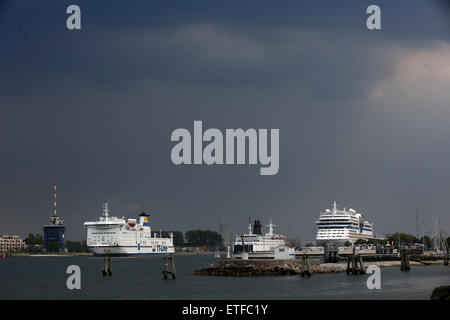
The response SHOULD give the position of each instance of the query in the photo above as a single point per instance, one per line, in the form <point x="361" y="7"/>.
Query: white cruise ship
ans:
<point x="257" y="244"/>
<point x="112" y="236"/>
<point x="341" y="225"/>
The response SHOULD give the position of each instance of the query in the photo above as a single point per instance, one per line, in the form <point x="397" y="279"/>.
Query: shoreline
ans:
<point x="70" y="254"/>
<point x="90" y="254"/>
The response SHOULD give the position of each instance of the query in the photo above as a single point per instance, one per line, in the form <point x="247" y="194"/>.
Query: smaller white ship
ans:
<point x="257" y="245"/>
<point x="112" y="236"/>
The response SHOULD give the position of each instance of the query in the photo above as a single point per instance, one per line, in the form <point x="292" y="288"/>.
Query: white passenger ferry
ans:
<point x="112" y="236"/>
<point x="257" y="244"/>
<point x="341" y="225"/>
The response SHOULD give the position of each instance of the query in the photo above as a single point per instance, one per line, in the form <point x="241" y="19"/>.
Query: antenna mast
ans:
<point x="270" y="225"/>
<point x="54" y="199"/>
<point x="105" y="209"/>
<point x="417" y="224"/>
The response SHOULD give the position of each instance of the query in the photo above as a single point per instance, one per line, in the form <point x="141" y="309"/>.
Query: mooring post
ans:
<point x="355" y="264"/>
<point x="104" y="271"/>
<point x="361" y="270"/>
<point x="404" y="264"/>
<point x="172" y="258"/>
<point x="166" y="267"/>
<point x="348" y="264"/>
<point x="306" y="266"/>
<point x="107" y="266"/>
<point x="166" y="270"/>
<point x="330" y="253"/>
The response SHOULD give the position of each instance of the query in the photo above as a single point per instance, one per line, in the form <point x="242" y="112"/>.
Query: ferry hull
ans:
<point x="102" y="251"/>
<point x="257" y="255"/>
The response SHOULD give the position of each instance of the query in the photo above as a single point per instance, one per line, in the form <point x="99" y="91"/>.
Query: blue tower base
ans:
<point x="54" y="238"/>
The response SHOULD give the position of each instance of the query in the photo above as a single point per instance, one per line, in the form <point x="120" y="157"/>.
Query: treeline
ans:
<point x="178" y="238"/>
<point x="402" y="239"/>
<point x="205" y="238"/>
<point x="35" y="244"/>
<point x="405" y="238"/>
<point x="77" y="246"/>
<point x="371" y="241"/>
<point x="194" y="238"/>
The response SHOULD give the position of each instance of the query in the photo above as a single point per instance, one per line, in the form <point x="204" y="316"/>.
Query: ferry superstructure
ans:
<point x="257" y="244"/>
<point x="112" y="236"/>
<point x="341" y="225"/>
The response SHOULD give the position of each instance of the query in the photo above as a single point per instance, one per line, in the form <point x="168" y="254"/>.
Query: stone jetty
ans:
<point x="252" y="268"/>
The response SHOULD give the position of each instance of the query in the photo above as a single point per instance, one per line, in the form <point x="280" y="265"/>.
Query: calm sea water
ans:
<point x="141" y="278"/>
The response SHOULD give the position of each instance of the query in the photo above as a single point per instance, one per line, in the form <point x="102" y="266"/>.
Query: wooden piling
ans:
<point x="107" y="266"/>
<point x="404" y="257"/>
<point x="330" y="253"/>
<point x="306" y="266"/>
<point x="355" y="264"/>
<point x="166" y="271"/>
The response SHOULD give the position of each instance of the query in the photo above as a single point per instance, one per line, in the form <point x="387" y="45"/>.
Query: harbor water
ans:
<point x="141" y="278"/>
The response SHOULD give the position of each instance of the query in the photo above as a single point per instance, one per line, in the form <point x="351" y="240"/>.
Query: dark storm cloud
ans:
<point x="204" y="55"/>
<point x="93" y="110"/>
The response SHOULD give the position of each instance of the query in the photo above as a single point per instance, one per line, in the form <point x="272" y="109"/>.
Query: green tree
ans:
<point x="178" y="239"/>
<point x="204" y="238"/>
<point x="404" y="238"/>
<point x="360" y="241"/>
<point x="77" y="246"/>
<point x="34" y="242"/>
<point x="377" y="241"/>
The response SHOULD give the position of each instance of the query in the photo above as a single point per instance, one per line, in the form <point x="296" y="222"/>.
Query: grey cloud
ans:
<point x="363" y="117"/>
<point x="312" y="62"/>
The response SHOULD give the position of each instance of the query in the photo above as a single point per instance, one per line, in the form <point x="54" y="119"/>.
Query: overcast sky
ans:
<point x="364" y="116"/>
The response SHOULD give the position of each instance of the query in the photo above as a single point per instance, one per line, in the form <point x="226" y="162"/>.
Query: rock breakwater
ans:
<point x="253" y="268"/>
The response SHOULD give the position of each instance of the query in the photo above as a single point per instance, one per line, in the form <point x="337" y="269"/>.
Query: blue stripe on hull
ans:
<point x="134" y="254"/>
<point x="124" y="246"/>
